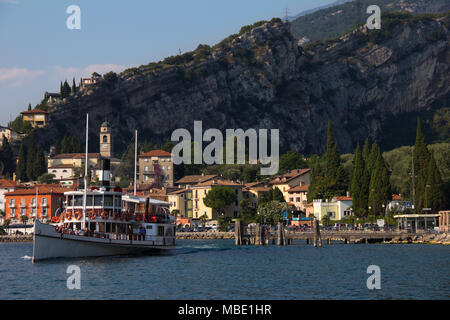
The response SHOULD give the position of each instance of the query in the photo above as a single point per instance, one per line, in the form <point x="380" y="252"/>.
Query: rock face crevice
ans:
<point x="264" y="79"/>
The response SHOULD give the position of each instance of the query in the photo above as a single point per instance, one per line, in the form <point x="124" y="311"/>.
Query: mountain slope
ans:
<point x="261" y="78"/>
<point x="331" y="22"/>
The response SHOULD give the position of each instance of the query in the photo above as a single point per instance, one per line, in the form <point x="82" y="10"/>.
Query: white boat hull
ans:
<point x="48" y="244"/>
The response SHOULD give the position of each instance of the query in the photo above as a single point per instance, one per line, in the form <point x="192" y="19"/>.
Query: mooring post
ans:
<point x="279" y="234"/>
<point x="258" y="234"/>
<point x="237" y="233"/>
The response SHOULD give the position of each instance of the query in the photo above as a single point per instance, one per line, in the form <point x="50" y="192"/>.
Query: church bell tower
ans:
<point x="106" y="143"/>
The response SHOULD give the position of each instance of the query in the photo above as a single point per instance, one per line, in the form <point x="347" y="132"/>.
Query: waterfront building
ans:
<point x="417" y="222"/>
<point x="290" y="180"/>
<point x="181" y="200"/>
<point x="156" y="168"/>
<point x="5" y="187"/>
<point x="297" y="196"/>
<point x="37" y="118"/>
<point x="39" y="202"/>
<point x="188" y="181"/>
<point x="444" y="219"/>
<point x="336" y="209"/>
<point x="67" y="167"/>
<point x="253" y="191"/>
<point x="200" y="190"/>
<point x="396" y="204"/>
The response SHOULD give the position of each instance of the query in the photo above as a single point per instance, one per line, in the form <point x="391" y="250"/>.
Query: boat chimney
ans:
<point x="104" y="173"/>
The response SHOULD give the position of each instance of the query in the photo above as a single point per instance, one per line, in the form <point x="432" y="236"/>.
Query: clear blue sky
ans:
<point x="37" y="50"/>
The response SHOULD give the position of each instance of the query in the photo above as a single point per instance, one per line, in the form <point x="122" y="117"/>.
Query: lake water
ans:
<point x="216" y="269"/>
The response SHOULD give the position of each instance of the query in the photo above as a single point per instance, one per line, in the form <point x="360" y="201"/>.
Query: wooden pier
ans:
<point x="263" y="235"/>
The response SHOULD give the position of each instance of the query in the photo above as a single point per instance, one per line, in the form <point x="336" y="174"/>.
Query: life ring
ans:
<point x="68" y="215"/>
<point x="104" y="215"/>
<point x="92" y="215"/>
<point x="55" y="219"/>
<point x="78" y="215"/>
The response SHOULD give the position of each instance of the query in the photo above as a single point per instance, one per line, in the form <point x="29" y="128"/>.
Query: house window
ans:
<point x="105" y="138"/>
<point x="44" y="212"/>
<point x="33" y="212"/>
<point x="12" y="202"/>
<point x="33" y="201"/>
<point x="44" y="201"/>
<point x="291" y="199"/>
<point x="22" y="202"/>
<point x="23" y="211"/>
<point x="235" y="214"/>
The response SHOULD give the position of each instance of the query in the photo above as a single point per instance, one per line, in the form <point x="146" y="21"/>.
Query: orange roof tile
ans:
<point x="75" y="155"/>
<point x="155" y="153"/>
<point x="397" y="197"/>
<point x="344" y="198"/>
<point x="5" y="183"/>
<point x="195" y="178"/>
<point x="34" y="111"/>
<point x="303" y="188"/>
<point x="41" y="189"/>
<point x="289" y="176"/>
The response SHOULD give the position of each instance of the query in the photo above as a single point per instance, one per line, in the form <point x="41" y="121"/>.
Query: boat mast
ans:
<point x="83" y="223"/>
<point x="135" y="161"/>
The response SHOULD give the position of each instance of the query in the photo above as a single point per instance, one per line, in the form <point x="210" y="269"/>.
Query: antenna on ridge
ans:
<point x="286" y="17"/>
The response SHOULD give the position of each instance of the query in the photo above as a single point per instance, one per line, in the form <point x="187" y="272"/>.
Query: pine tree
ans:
<point x="359" y="184"/>
<point x="21" y="173"/>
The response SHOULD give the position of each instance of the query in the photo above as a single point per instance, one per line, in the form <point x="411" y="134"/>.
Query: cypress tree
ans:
<point x="333" y="159"/>
<point x="31" y="154"/>
<point x="29" y="106"/>
<point x="433" y="197"/>
<point x="21" y="173"/>
<point x="421" y="158"/>
<point x="373" y="157"/>
<point x="74" y="86"/>
<point x="359" y="184"/>
<point x="366" y="151"/>
<point x="379" y="188"/>
<point x="7" y="157"/>
<point x="61" y="90"/>
<point x="39" y="163"/>
<point x="277" y="195"/>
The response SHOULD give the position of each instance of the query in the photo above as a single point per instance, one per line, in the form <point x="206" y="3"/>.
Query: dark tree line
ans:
<point x="31" y="162"/>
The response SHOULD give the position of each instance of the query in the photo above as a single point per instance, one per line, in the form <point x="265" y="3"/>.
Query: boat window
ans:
<point x="78" y="200"/>
<point x="89" y="201"/>
<point x="98" y="200"/>
<point x="150" y="227"/>
<point x="108" y="201"/>
<point x="160" y="231"/>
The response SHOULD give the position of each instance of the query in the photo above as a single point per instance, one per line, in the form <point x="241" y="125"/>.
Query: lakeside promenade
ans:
<point x="425" y="238"/>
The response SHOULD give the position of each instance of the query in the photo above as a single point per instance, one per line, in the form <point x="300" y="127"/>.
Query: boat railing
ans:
<point x="157" y="240"/>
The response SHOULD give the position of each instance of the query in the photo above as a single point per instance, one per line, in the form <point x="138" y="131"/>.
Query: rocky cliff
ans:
<point x="261" y="78"/>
